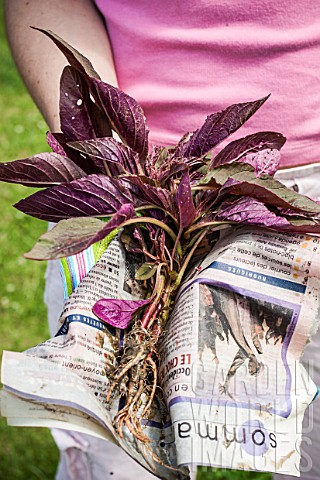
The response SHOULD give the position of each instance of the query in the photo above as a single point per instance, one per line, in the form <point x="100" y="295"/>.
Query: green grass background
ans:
<point x="29" y="453"/>
<point x="25" y="453"/>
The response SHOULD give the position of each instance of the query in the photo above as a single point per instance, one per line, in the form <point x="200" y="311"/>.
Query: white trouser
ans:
<point x="306" y="180"/>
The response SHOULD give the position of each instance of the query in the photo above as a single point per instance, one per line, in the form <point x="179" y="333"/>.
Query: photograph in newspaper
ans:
<point x="238" y="393"/>
<point x="239" y="338"/>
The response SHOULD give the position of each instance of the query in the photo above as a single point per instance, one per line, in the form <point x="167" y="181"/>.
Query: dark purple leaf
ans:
<point x="42" y="170"/>
<point x="75" y="120"/>
<point x="94" y="195"/>
<point x="125" y="115"/>
<point x="184" y="201"/>
<point x="146" y="194"/>
<point x="110" y="150"/>
<point x="301" y="221"/>
<point x="99" y="121"/>
<point x="271" y="192"/>
<point x="217" y="127"/>
<point x="240" y="179"/>
<point x="195" y="177"/>
<point x="194" y="163"/>
<point x="249" y="211"/>
<point x="205" y="200"/>
<point x="75" y="58"/>
<point x="72" y="236"/>
<point x="55" y="142"/>
<point x="80" y="117"/>
<point x="174" y="168"/>
<point x="170" y="170"/>
<point x="80" y="63"/>
<point x="118" y="313"/>
<point x="58" y="143"/>
<point x="288" y="212"/>
<point x="137" y="234"/>
<point x="237" y="149"/>
<point x="177" y="150"/>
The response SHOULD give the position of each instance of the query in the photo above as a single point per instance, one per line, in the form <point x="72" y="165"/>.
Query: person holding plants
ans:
<point x="182" y="61"/>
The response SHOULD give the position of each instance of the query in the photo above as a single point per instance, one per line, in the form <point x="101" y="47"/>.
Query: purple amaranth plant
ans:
<point x="167" y="200"/>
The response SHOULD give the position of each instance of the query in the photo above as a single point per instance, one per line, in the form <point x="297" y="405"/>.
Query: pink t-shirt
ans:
<point x="184" y="59"/>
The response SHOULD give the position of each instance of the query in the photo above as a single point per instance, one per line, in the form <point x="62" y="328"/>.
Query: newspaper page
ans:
<point x="66" y="375"/>
<point x="230" y="371"/>
<point x="233" y="381"/>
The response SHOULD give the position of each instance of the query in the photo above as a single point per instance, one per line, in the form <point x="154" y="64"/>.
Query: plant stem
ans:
<point x="106" y="168"/>
<point x="160" y="224"/>
<point x="159" y="286"/>
<point x="154" y="221"/>
<point x="204" y="187"/>
<point x="198" y="226"/>
<point x="188" y="258"/>
<point x="175" y="247"/>
<point x="193" y="240"/>
<point x="156" y="207"/>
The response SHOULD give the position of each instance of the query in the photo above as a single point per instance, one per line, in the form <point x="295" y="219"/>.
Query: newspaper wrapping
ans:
<point x="234" y="391"/>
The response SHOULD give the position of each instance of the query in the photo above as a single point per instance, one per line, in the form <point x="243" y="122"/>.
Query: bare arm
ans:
<point x="39" y="61"/>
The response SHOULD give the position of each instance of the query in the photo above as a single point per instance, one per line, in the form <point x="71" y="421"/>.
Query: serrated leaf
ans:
<point x="146" y="271"/>
<point x="125" y="115"/>
<point x="237" y="149"/>
<point x="217" y="127"/>
<point x="58" y="143"/>
<point x="42" y="170"/>
<point x="249" y="211"/>
<point x="118" y="313"/>
<point x="94" y="196"/>
<point x="184" y="201"/>
<point x="271" y="192"/>
<point x="72" y="236"/>
<point x="239" y="179"/>
<point x="146" y="194"/>
<point x="75" y="58"/>
<point x="80" y="118"/>
<point x="74" y="115"/>
<point x="110" y="150"/>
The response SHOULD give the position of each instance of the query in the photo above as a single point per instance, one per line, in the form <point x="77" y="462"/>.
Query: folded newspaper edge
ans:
<point x="235" y="390"/>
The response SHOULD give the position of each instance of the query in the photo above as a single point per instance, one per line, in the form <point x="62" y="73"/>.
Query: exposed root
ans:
<point x="135" y="376"/>
<point x="154" y="387"/>
<point x="116" y="378"/>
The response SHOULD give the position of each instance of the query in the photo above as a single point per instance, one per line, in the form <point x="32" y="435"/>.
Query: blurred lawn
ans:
<point x="25" y="453"/>
<point x="28" y="453"/>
